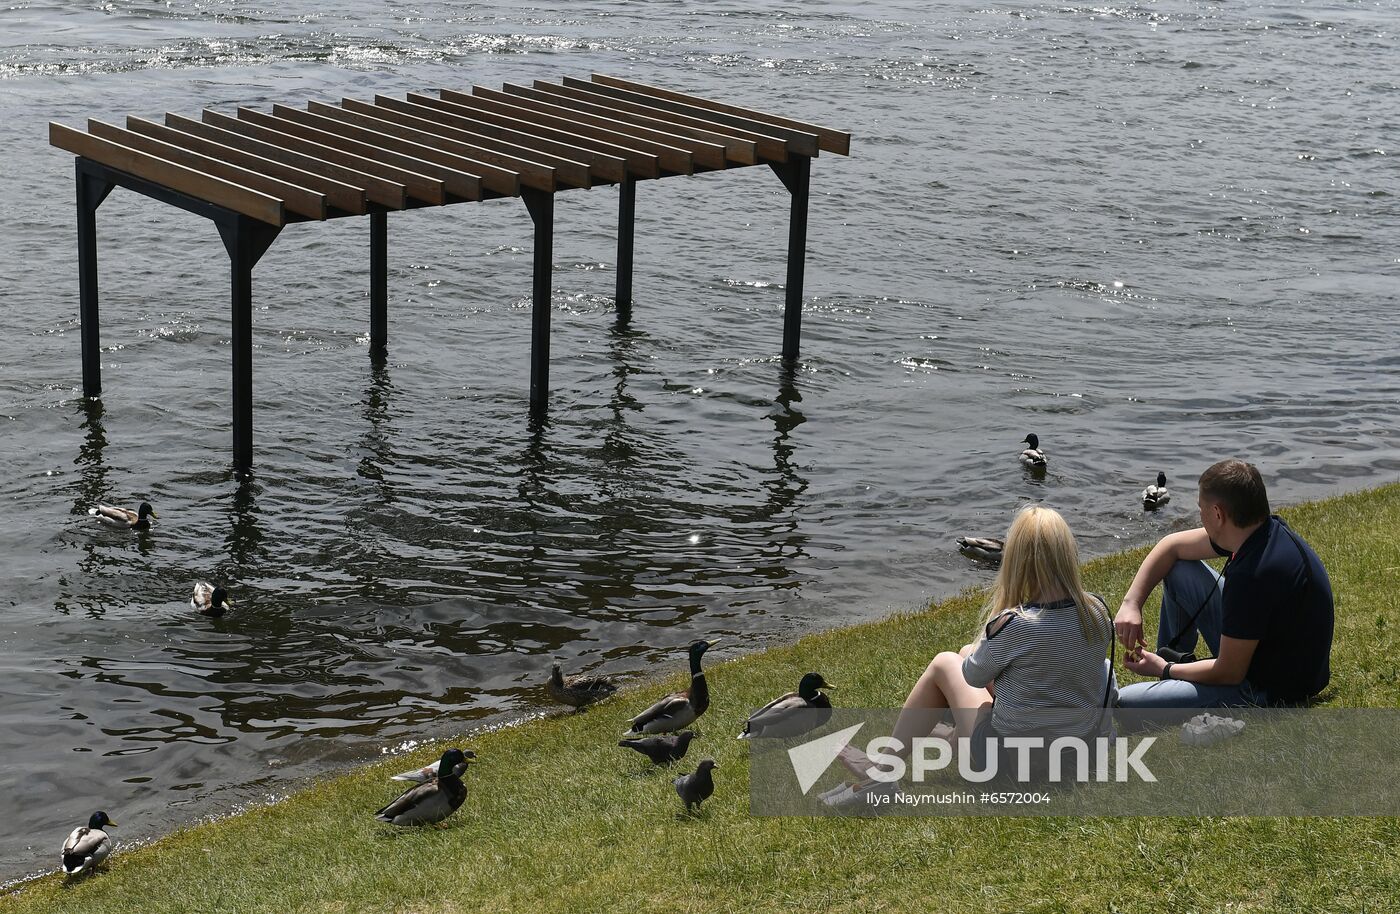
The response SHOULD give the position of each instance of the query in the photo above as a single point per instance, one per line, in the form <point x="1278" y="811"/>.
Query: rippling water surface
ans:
<point x="1154" y="234"/>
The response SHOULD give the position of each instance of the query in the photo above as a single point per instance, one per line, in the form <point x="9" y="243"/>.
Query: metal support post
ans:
<point x="541" y="206"/>
<point x="626" y="222"/>
<point x="378" y="285"/>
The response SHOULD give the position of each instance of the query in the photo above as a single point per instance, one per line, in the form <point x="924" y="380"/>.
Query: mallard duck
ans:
<point x="434" y="800"/>
<point x="982" y="548"/>
<point x="579" y="691"/>
<point x="429" y="772"/>
<point x="793" y="713"/>
<point x="210" y="600"/>
<point x="696" y="788"/>
<point x="1033" y="456"/>
<point x="87" y="845"/>
<point x="679" y="709"/>
<point x="662" y="750"/>
<point x="124" y="518"/>
<point x="1153" y="497"/>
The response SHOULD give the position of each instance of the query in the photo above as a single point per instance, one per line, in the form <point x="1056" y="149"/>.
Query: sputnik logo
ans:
<point x="810" y="760"/>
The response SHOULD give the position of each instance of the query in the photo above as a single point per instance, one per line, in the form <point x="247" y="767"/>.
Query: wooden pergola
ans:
<point x="256" y="172"/>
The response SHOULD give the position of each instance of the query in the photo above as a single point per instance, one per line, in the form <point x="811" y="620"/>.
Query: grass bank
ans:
<point x="559" y="819"/>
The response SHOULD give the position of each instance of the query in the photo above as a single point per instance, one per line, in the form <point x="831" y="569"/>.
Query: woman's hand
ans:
<point x="1145" y="663"/>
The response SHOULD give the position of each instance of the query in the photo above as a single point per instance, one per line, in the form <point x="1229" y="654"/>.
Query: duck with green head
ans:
<point x="679" y="709"/>
<point x="794" y="713"/>
<point x="124" y="518"/>
<point x="87" y="845"/>
<point x="431" y="802"/>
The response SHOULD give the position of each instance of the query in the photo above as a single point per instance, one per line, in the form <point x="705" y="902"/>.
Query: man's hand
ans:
<point x="1145" y="663"/>
<point x="1127" y="625"/>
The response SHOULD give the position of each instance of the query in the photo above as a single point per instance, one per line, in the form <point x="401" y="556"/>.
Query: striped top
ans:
<point x="1047" y="674"/>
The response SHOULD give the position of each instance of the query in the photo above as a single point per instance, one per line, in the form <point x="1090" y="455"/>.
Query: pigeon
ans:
<point x="663" y="750"/>
<point x="694" y="789"/>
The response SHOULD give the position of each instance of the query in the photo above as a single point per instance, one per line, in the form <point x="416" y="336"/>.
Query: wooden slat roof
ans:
<point x="328" y="160"/>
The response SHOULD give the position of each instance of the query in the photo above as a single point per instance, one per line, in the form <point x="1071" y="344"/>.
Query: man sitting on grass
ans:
<point x="1269" y="627"/>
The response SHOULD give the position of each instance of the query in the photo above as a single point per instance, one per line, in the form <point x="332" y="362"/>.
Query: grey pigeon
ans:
<point x="694" y="789"/>
<point x="663" y="750"/>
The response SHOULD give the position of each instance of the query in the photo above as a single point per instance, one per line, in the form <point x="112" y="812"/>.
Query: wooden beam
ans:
<point x="803" y="139"/>
<point x="339" y="195"/>
<point x="770" y="147"/>
<point x="300" y="200"/>
<point x="420" y="186"/>
<point x="255" y="204"/>
<point x="498" y="180"/>
<point x="736" y="150"/>
<point x="417" y="142"/>
<point x="451" y="139"/>
<point x="601" y="165"/>
<point x="639" y="163"/>
<point x="425" y="180"/>
<point x="675" y="158"/>
<point x="377" y="190"/>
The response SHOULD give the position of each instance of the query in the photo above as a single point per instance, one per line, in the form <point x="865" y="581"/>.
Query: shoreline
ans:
<point x="871" y="660"/>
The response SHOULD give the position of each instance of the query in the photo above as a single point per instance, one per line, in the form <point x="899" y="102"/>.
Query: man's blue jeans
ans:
<point x="1187" y="586"/>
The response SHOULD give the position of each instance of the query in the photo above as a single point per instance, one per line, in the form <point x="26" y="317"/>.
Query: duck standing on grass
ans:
<point x="579" y="691"/>
<point x="794" y="713"/>
<point x="435" y="800"/>
<point x="679" y="709"/>
<point x="430" y="772"/>
<point x="982" y="548"/>
<point x="662" y="750"/>
<point x="694" y="789"/>
<point x="124" y="518"/>
<point x="210" y="600"/>
<point x="1154" y="496"/>
<point x="87" y="845"/>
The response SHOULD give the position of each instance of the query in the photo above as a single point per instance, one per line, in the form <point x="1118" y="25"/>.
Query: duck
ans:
<point x="679" y="709"/>
<point x="1154" y="496"/>
<point x="793" y="713"/>
<point x="697" y="787"/>
<point x="1033" y="456"/>
<point x="87" y="845"/>
<point x="124" y="518"/>
<point x="579" y="691"/>
<point x="429" y="772"/>
<point x="436" y="799"/>
<point x="982" y="548"/>
<point x="210" y="599"/>
<point x="662" y="750"/>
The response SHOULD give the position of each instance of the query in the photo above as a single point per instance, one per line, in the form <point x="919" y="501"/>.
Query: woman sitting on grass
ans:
<point x="1042" y="651"/>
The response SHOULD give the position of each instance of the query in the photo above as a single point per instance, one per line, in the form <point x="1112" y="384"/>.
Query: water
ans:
<point x="1155" y="234"/>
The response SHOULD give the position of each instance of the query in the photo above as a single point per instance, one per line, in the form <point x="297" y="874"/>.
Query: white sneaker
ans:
<point x="846" y="794"/>
<point x="1209" y="729"/>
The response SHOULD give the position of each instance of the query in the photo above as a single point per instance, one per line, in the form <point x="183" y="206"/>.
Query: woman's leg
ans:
<point x="940" y="687"/>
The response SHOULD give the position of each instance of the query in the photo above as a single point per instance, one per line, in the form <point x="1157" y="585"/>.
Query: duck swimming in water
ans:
<point x="210" y="600"/>
<point x="1154" y="496"/>
<point x="982" y="548"/>
<point x="1033" y="456"/>
<point x="124" y="518"/>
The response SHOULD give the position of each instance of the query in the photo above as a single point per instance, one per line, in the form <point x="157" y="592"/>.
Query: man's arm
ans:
<point x="1187" y="545"/>
<point x="1227" y="669"/>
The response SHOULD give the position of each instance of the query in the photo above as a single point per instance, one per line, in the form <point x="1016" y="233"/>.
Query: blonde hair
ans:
<point x="1041" y="556"/>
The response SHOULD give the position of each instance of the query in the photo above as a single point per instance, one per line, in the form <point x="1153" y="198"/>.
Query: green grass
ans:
<point x="560" y="819"/>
